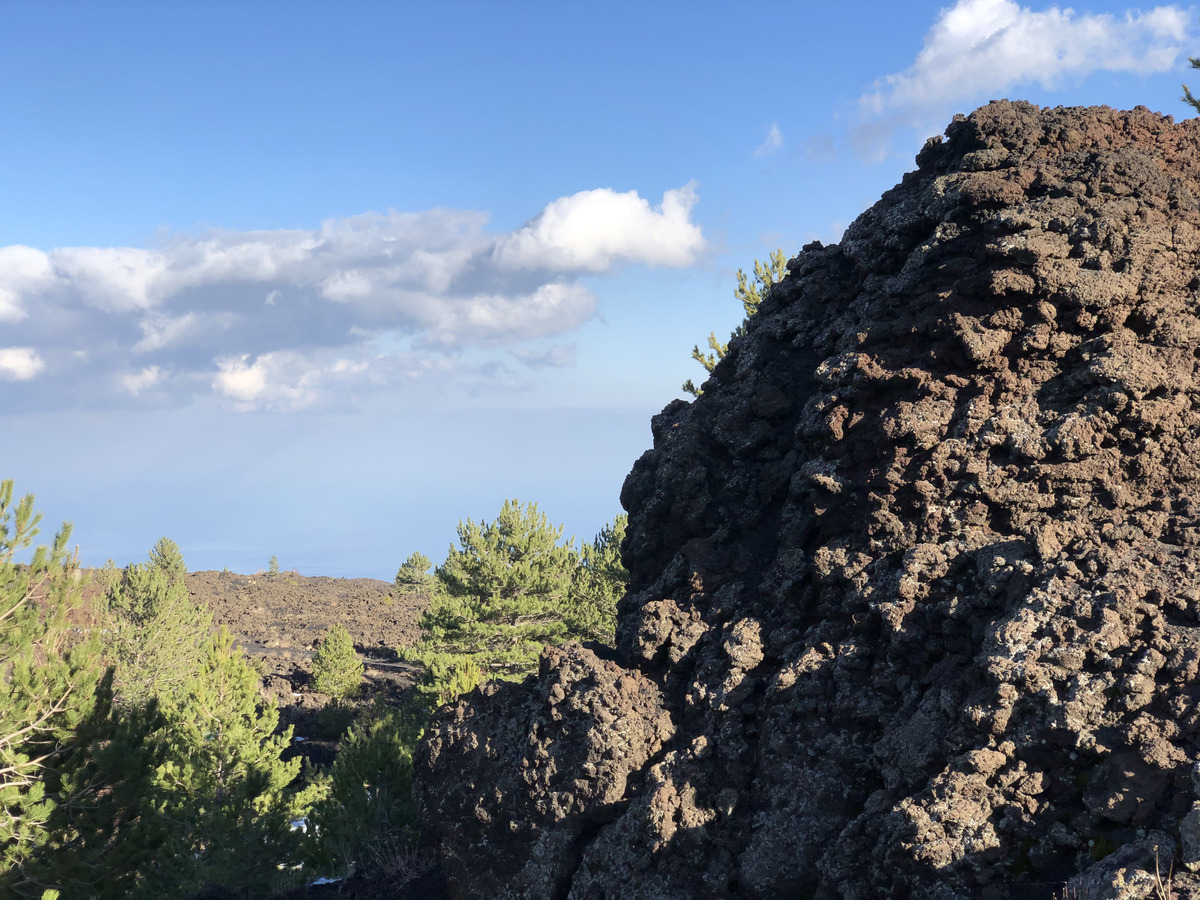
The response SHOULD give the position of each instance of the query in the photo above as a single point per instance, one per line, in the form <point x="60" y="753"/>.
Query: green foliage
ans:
<point x="414" y="575"/>
<point x="368" y="799"/>
<point x="273" y="567"/>
<point x="49" y="677"/>
<point x="222" y="793"/>
<point x="447" y="675"/>
<point x="510" y="589"/>
<point x="158" y="631"/>
<point x="99" y="836"/>
<point x="1187" y="97"/>
<point x="181" y="785"/>
<point x="751" y="295"/>
<point x="107" y="576"/>
<point x="502" y="596"/>
<point x="337" y="670"/>
<point x="599" y="583"/>
<point x="155" y="779"/>
<point x="334" y="718"/>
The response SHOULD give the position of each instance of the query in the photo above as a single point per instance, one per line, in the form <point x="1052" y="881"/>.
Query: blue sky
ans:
<point x="317" y="281"/>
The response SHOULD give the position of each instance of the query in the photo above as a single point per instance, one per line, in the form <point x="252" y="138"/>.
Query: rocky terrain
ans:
<point x="915" y="604"/>
<point x="279" y="620"/>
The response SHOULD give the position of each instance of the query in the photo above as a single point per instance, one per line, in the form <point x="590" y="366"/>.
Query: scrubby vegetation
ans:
<point x="139" y="759"/>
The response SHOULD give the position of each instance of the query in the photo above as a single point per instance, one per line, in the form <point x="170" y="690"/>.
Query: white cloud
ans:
<point x="289" y="317"/>
<point x="495" y="318"/>
<point x="20" y="363"/>
<point x="594" y="230"/>
<point x="288" y="380"/>
<point x="240" y="380"/>
<point x="772" y="143"/>
<point x="134" y="383"/>
<point x="22" y="270"/>
<point x="982" y="48"/>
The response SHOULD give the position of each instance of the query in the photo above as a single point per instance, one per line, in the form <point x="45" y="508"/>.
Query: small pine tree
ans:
<point x="509" y="591"/>
<point x="369" y="792"/>
<point x="751" y="295"/>
<point x="337" y="670"/>
<point x="414" y="575"/>
<point x="502" y="596"/>
<point x="273" y="567"/>
<point x="158" y="630"/>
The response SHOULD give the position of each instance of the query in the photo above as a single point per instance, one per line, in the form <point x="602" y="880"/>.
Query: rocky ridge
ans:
<point x="915" y="605"/>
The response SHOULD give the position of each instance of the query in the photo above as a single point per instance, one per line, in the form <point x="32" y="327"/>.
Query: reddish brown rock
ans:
<point x="915" y="608"/>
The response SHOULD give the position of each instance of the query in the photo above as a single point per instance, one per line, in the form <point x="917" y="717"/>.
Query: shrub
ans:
<point x="334" y="718"/>
<point x="368" y="802"/>
<point x="337" y="670"/>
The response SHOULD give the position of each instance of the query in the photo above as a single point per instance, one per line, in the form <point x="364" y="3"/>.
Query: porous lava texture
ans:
<point x="915" y="606"/>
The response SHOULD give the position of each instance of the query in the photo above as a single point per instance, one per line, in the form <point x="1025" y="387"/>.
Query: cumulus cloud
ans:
<point x="983" y="48"/>
<point x="292" y="317"/>
<point x="20" y="363"/>
<point x="593" y="230"/>
<point x="772" y="143"/>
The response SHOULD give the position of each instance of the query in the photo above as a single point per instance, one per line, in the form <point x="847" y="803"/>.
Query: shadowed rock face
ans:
<point x="915" y="608"/>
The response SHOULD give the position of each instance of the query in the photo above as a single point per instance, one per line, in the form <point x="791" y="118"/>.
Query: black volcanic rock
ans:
<point x="915" y="608"/>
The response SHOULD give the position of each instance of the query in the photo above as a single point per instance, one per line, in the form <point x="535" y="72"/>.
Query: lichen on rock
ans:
<point x="914" y="606"/>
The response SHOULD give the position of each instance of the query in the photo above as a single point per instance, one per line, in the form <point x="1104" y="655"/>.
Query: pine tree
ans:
<point x="502" y="596"/>
<point x="414" y="575"/>
<point x="751" y="295"/>
<point x="185" y="786"/>
<point x="223" y="792"/>
<point x="368" y="799"/>
<point x="511" y="589"/>
<point x="158" y="631"/>
<point x="337" y="670"/>
<point x="49" y="675"/>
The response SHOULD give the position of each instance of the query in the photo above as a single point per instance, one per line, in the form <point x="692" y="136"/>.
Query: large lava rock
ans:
<point x="915" y="608"/>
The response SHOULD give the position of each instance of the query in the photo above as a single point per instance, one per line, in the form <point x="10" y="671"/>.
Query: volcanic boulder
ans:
<point x="915" y="605"/>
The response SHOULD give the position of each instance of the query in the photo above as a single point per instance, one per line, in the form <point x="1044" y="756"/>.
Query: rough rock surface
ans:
<point x="915" y="608"/>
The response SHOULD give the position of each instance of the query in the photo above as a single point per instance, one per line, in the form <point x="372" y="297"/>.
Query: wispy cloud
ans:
<point x="979" y="49"/>
<point x="136" y="382"/>
<point x="773" y="142"/>
<point x="559" y="356"/>
<point x="289" y="318"/>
